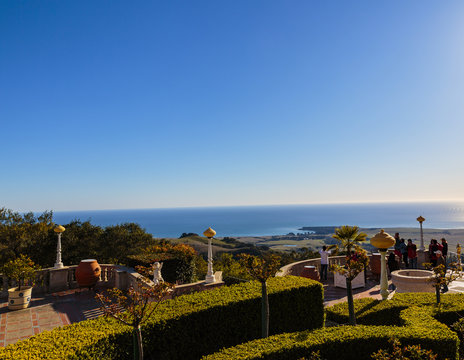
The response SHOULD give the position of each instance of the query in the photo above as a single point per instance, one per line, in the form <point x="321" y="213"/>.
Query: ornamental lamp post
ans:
<point x="59" y="230"/>
<point x="209" y="233"/>
<point x="421" y="220"/>
<point x="383" y="241"/>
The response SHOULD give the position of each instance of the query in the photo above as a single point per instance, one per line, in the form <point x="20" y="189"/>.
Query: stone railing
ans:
<point x="296" y="268"/>
<point x="53" y="280"/>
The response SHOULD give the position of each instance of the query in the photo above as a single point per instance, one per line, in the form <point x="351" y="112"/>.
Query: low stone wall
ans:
<point x="52" y="280"/>
<point x="296" y="268"/>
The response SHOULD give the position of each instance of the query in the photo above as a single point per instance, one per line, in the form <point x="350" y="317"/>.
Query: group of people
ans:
<point x="438" y="252"/>
<point x="406" y="252"/>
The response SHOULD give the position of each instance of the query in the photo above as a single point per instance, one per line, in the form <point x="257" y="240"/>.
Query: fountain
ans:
<point x="412" y="280"/>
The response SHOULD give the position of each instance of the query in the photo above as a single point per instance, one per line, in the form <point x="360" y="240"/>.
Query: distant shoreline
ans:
<point x="320" y="235"/>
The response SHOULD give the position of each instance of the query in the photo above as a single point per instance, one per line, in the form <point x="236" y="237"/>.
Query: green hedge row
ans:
<point x="377" y="312"/>
<point x="412" y="318"/>
<point x="186" y="327"/>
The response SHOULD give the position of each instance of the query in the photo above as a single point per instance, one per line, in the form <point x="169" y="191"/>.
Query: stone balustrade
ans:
<point x="52" y="280"/>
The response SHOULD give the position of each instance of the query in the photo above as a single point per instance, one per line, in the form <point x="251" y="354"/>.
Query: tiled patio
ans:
<point x="46" y="313"/>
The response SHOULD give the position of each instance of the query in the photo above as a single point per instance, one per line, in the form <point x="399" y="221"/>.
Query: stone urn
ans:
<point x="19" y="299"/>
<point x="88" y="272"/>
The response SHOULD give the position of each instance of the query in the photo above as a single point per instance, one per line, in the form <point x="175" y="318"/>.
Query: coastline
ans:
<point x="317" y="240"/>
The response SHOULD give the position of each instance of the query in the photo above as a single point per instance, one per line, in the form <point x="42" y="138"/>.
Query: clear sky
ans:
<point x="123" y="104"/>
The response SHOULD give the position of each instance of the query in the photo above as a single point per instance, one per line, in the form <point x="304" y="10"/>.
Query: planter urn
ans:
<point x="88" y="272"/>
<point x="19" y="299"/>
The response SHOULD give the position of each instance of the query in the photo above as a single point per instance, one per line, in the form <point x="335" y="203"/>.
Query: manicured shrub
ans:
<point x="403" y="353"/>
<point x="341" y="343"/>
<point x="413" y="320"/>
<point x="186" y="327"/>
<point x="376" y="312"/>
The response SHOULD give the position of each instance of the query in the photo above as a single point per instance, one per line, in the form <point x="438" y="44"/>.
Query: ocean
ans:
<point x="276" y="219"/>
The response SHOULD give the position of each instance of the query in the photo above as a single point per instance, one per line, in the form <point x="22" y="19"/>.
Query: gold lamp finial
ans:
<point x="209" y="233"/>
<point x="382" y="240"/>
<point x="59" y="229"/>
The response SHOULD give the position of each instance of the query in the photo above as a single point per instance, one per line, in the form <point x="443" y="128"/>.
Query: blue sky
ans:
<point x="116" y="104"/>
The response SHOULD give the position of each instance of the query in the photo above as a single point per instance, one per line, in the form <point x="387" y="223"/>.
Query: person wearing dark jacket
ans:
<point x="404" y="252"/>
<point x="444" y="251"/>
<point x="392" y="265"/>
<point x="412" y="254"/>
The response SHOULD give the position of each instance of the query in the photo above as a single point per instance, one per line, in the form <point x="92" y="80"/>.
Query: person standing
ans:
<point x="397" y="245"/>
<point x="433" y="248"/>
<point x="444" y="250"/>
<point x="404" y="252"/>
<point x="324" y="262"/>
<point x="412" y="254"/>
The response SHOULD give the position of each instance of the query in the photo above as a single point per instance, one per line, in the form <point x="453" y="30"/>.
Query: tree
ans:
<point x="349" y="239"/>
<point x="135" y="306"/>
<point x="232" y="269"/>
<point x="442" y="277"/>
<point x="23" y="233"/>
<point x="178" y="260"/>
<point x="261" y="269"/>
<point x="22" y="270"/>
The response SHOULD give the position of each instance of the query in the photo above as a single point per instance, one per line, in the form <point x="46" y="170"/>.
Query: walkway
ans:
<point x="46" y="313"/>
<point x="334" y="295"/>
<point x="63" y="308"/>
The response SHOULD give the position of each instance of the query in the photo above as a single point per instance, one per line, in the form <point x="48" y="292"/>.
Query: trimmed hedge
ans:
<point x="341" y="343"/>
<point x="377" y="312"/>
<point x="415" y="314"/>
<point x="186" y="327"/>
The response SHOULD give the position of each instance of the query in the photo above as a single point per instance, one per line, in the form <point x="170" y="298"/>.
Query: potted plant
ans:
<point x="23" y="271"/>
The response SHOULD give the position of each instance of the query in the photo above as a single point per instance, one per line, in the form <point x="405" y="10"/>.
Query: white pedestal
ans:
<point x="357" y="282"/>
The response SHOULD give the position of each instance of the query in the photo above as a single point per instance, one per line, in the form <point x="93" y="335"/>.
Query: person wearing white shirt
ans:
<point x="324" y="262"/>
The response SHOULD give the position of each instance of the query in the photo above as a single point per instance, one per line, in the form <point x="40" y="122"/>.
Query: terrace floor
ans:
<point x="67" y="307"/>
<point x="46" y="313"/>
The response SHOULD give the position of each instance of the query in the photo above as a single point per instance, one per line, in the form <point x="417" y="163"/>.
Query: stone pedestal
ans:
<point x="357" y="282"/>
<point x="422" y="257"/>
<point x="375" y="265"/>
<point x="58" y="279"/>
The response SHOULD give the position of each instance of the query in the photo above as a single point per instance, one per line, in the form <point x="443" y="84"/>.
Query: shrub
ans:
<point x="408" y="352"/>
<point x="186" y="327"/>
<point x="376" y="312"/>
<point x="413" y="319"/>
<point x="22" y="270"/>
<point x="458" y="326"/>
<point x="178" y="261"/>
<point x="341" y="343"/>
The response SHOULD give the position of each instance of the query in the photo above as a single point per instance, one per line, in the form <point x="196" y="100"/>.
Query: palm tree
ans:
<point x="349" y="239"/>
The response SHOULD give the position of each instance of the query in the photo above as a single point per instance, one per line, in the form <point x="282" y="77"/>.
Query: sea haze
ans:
<point x="274" y="220"/>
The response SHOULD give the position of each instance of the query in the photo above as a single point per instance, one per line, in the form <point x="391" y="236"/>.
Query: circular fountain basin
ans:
<point x="412" y="280"/>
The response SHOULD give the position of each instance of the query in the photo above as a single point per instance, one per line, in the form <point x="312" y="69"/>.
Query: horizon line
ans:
<point x="258" y="205"/>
